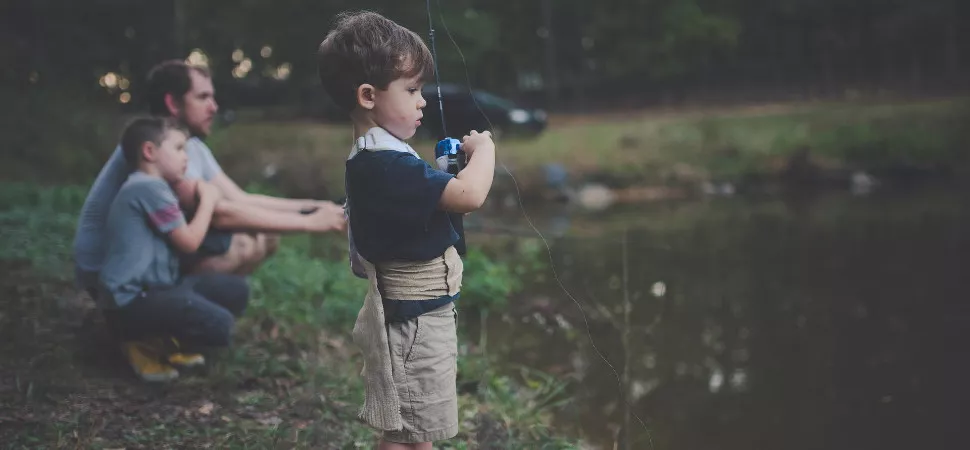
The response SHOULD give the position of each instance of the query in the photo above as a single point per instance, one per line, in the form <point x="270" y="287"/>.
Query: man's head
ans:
<point x="157" y="144"/>
<point x="185" y="92"/>
<point x="373" y="69"/>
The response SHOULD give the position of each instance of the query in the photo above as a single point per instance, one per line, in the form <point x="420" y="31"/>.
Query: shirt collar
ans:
<point x="378" y="138"/>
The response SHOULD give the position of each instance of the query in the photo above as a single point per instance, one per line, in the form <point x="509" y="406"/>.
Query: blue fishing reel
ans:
<point x="448" y="155"/>
<point x="450" y="158"/>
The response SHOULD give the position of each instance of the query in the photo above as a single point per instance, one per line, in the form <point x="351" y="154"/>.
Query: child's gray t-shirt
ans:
<point x="138" y="255"/>
<point x="90" y="238"/>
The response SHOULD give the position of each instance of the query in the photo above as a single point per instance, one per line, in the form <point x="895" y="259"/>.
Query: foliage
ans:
<point x="290" y="379"/>
<point x="491" y="280"/>
<point x="661" y="40"/>
<point x="826" y="45"/>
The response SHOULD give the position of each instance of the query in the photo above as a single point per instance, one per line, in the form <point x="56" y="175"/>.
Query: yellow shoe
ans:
<point x="184" y="359"/>
<point x="144" y="358"/>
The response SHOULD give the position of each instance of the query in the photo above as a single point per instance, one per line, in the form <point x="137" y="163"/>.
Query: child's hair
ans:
<point x="366" y="47"/>
<point x="145" y="129"/>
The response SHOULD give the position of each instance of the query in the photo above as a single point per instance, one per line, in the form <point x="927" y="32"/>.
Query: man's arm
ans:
<point x="232" y="191"/>
<point x="212" y="172"/>
<point x="240" y="210"/>
<point x="236" y="215"/>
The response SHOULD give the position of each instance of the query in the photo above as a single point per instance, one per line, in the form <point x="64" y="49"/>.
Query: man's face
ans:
<point x="199" y="105"/>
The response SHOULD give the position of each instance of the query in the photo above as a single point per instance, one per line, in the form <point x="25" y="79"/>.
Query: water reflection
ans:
<point x="832" y="324"/>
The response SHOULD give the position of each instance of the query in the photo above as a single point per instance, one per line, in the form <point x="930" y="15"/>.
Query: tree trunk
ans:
<point x="952" y="54"/>
<point x="551" y="78"/>
<point x="916" y="74"/>
<point x="178" y="30"/>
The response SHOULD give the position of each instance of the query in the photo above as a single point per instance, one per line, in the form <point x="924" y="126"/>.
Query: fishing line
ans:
<point x="518" y="193"/>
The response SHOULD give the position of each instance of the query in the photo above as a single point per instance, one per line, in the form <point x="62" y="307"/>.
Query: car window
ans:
<point x="490" y="100"/>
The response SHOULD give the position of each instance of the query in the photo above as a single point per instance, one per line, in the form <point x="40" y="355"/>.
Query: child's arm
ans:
<point x="188" y="237"/>
<point x="469" y="189"/>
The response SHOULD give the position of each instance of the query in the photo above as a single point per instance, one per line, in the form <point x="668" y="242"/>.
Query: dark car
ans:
<point x="463" y="115"/>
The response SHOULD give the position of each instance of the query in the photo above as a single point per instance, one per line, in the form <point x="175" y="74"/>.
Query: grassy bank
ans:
<point x="681" y="147"/>
<point x="290" y="381"/>
<point x="651" y="148"/>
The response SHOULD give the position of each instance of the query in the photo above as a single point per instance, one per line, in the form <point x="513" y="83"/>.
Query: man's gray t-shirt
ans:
<point x="138" y="255"/>
<point x="89" y="239"/>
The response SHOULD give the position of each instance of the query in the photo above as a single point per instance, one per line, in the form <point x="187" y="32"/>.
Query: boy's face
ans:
<point x="170" y="157"/>
<point x="398" y="108"/>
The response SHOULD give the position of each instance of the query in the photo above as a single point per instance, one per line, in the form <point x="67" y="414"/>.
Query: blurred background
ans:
<point x="758" y="210"/>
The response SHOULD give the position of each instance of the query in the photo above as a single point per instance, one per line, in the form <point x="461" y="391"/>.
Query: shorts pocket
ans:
<point x="431" y="363"/>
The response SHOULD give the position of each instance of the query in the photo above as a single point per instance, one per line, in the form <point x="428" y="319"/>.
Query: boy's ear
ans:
<point x="365" y="96"/>
<point x="148" y="151"/>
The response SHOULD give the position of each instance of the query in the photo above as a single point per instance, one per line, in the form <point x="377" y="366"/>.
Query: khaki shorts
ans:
<point x="424" y="361"/>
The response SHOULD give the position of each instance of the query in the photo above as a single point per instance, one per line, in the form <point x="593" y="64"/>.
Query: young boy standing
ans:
<point x="146" y="302"/>
<point x="398" y="206"/>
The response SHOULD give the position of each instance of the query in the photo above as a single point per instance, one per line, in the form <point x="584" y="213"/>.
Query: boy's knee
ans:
<point x="244" y="248"/>
<point x="264" y="246"/>
<point x="272" y="244"/>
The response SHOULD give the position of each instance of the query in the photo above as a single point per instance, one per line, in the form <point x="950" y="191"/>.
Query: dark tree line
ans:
<point x="565" y="53"/>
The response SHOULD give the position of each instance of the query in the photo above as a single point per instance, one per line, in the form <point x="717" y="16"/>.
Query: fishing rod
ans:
<point x="447" y="152"/>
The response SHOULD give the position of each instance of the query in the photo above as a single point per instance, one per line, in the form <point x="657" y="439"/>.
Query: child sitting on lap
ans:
<point x="155" y="312"/>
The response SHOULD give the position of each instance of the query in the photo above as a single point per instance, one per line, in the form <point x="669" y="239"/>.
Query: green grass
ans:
<point x="290" y="381"/>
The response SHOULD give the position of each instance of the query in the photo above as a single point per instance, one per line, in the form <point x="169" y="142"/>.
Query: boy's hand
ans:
<point x="477" y="141"/>
<point x="209" y="192"/>
<point x="186" y="192"/>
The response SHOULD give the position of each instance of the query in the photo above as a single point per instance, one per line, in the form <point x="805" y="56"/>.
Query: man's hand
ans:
<point x="319" y="205"/>
<point x="328" y="217"/>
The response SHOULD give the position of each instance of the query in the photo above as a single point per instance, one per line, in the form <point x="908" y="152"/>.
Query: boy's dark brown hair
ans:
<point x="366" y="47"/>
<point x="170" y="77"/>
<point x="146" y="129"/>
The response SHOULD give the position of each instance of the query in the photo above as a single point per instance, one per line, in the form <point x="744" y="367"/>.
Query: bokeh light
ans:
<point x="197" y="58"/>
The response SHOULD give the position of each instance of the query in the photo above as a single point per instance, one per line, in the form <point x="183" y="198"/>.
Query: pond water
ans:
<point x="829" y="321"/>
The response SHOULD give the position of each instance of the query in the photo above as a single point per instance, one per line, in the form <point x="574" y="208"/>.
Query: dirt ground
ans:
<point x="64" y="384"/>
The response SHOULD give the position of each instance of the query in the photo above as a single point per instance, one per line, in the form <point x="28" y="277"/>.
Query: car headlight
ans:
<point x="518" y="116"/>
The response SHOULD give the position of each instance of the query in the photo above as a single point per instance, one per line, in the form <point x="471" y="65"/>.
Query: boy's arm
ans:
<point x="188" y="237"/>
<point x="469" y="189"/>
